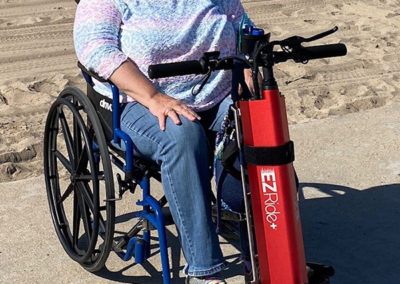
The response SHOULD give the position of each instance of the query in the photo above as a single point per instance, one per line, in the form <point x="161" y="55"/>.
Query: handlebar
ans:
<point x="202" y="66"/>
<point x="177" y="69"/>
<point x="304" y="54"/>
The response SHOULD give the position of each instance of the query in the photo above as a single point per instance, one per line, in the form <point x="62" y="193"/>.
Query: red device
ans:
<point x="273" y="192"/>
<point x="269" y="155"/>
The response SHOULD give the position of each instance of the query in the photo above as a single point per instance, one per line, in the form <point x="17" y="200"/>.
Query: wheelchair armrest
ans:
<point x="92" y="74"/>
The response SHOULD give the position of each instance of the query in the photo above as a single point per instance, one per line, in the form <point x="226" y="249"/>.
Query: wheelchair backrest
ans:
<point x="103" y="106"/>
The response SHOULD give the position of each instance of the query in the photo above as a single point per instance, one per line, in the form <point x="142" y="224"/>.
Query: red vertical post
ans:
<point x="273" y="194"/>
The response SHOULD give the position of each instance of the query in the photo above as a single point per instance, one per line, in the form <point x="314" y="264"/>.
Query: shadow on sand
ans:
<point x="356" y="231"/>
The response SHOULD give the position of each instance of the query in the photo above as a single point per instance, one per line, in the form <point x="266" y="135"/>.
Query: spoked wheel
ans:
<point x="79" y="180"/>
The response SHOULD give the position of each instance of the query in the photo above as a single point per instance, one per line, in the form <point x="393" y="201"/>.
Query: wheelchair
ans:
<point x="80" y="139"/>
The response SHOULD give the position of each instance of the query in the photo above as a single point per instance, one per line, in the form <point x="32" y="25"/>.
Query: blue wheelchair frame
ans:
<point x="137" y="247"/>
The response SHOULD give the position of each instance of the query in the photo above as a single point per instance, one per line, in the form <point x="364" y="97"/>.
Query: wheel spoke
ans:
<point x="88" y="199"/>
<point x="83" y="157"/>
<point x="84" y="178"/>
<point x="67" y="193"/>
<point x="83" y="160"/>
<point x="77" y="136"/>
<point x="85" y="214"/>
<point x="87" y="195"/>
<point x="67" y="135"/>
<point x="62" y="218"/>
<point x="76" y="221"/>
<point x="64" y="161"/>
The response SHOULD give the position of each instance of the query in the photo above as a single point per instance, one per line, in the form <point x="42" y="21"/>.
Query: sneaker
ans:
<point x="212" y="279"/>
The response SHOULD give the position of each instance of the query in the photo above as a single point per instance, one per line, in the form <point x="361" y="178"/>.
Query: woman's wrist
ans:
<point x="129" y="79"/>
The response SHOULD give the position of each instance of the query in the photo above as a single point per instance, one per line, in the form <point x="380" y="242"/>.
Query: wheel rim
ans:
<point x="75" y="202"/>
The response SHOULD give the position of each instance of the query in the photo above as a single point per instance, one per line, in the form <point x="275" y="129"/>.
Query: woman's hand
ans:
<point x="132" y="82"/>
<point x="163" y="106"/>
<point x="248" y="78"/>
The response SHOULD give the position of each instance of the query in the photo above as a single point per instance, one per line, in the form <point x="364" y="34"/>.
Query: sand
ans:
<point x="37" y="61"/>
<point x="349" y="205"/>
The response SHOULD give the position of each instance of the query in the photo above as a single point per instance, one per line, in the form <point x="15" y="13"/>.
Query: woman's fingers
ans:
<point x="161" y="121"/>
<point x="187" y="112"/>
<point x="173" y="114"/>
<point x="163" y="107"/>
<point x="174" y="117"/>
<point x="169" y="112"/>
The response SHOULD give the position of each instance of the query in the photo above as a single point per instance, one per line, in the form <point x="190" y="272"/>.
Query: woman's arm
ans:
<point x="131" y="81"/>
<point x="96" y="37"/>
<point x="96" y="32"/>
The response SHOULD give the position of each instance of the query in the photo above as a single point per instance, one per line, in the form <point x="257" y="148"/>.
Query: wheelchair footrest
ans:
<point x="136" y="248"/>
<point x="227" y="215"/>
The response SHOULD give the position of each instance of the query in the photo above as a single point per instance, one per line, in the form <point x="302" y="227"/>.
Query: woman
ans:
<point x="119" y="39"/>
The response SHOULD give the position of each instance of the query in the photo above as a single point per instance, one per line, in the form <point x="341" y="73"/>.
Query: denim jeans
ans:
<point x="183" y="153"/>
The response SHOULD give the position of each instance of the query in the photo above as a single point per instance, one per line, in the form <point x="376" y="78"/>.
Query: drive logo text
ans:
<point x="106" y="105"/>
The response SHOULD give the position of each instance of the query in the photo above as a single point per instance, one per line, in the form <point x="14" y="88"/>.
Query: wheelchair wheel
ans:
<point x="79" y="180"/>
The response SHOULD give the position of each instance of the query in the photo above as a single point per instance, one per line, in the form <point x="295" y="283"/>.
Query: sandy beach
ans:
<point x="344" y="115"/>
<point x="37" y="61"/>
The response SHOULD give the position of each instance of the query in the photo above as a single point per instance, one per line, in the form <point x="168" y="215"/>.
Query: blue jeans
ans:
<point x="183" y="153"/>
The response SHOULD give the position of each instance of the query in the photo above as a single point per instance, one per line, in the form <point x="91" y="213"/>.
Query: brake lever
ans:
<point x="296" y="41"/>
<point x="321" y="35"/>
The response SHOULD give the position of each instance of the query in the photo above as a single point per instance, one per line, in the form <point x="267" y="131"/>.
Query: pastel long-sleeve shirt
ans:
<point x="109" y="32"/>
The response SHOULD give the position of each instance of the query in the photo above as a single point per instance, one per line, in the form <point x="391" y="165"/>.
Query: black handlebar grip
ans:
<point x="175" y="69"/>
<point x="320" y="51"/>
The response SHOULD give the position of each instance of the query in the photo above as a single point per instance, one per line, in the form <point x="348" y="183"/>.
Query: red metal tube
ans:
<point x="273" y="194"/>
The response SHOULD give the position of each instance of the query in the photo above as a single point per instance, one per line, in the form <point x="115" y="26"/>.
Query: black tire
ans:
<point x="78" y="176"/>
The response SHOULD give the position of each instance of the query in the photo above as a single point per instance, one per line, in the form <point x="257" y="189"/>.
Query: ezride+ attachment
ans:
<point x="266" y="151"/>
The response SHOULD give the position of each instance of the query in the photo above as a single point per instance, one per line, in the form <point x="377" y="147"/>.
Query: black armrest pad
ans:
<point x="92" y="74"/>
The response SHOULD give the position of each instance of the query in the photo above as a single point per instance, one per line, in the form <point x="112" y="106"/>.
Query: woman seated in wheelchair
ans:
<point x="119" y="39"/>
